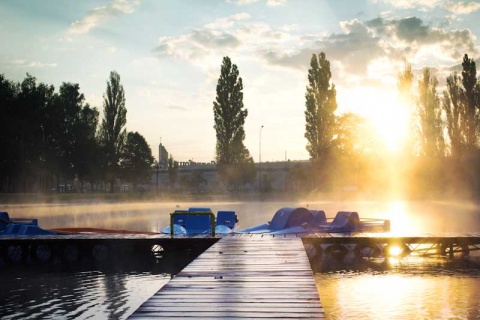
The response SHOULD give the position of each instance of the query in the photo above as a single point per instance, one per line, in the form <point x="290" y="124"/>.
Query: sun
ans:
<point x="382" y="109"/>
<point x="391" y="123"/>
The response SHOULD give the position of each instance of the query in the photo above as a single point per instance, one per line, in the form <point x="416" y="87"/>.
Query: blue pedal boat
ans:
<point x="20" y="227"/>
<point x="289" y="220"/>
<point x="201" y="221"/>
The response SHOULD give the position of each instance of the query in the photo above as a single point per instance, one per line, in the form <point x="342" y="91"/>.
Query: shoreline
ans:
<point x="89" y="198"/>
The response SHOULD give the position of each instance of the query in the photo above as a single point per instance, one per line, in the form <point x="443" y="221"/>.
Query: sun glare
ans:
<point x="385" y="113"/>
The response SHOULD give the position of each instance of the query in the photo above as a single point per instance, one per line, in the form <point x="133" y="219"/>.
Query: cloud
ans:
<point x="269" y="3"/>
<point x="356" y="53"/>
<point x="411" y="4"/>
<point x="463" y="7"/>
<point x="33" y="64"/>
<point x="408" y="35"/>
<point x="199" y="43"/>
<point x="99" y="15"/>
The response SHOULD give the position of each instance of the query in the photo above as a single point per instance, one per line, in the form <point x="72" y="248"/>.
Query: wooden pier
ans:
<point x="241" y="277"/>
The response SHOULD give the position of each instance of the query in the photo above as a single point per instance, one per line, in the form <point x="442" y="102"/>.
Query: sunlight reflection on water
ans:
<point x="413" y="289"/>
<point x="392" y="293"/>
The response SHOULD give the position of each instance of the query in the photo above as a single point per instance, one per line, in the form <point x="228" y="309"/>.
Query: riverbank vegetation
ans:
<point x="49" y="139"/>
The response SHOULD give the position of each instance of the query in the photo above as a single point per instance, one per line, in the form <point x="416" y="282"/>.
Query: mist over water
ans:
<point x="406" y="216"/>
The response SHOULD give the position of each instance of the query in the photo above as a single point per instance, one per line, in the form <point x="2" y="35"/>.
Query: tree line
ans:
<point x="50" y="138"/>
<point x="440" y="154"/>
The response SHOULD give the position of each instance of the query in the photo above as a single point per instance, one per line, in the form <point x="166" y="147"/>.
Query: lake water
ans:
<point x="410" y="288"/>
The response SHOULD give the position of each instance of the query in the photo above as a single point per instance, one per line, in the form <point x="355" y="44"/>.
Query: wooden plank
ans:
<point x="241" y="277"/>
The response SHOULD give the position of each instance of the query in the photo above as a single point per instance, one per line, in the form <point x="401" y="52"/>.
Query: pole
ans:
<point x="260" y="160"/>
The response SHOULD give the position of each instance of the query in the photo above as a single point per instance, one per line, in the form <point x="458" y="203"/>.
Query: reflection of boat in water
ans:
<point x="301" y="220"/>
<point x="201" y="221"/>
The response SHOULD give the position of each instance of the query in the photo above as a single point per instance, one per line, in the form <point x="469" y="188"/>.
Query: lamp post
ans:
<point x="260" y="161"/>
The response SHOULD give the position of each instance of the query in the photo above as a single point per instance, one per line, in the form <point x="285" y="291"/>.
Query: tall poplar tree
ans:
<point x="432" y="143"/>
<point x="112" y="131"/>
<point x="455" y="114"/>
<point x="229" y="117"/>
<point x="461" y="102"/>
<point x="471" y="99"/>
<point x="321" y="103"/>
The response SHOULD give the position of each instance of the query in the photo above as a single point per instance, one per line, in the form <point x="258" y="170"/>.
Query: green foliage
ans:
<point x="136" y="160"/>
<point x="454" y="113"/>
<point x="321" y="104"/>
<point x="112" y="132"/>
<point x="354" y="136"/>
<point x="48" y="138"/>
<point x="471" y="98"/>
<point x="233" y="159"/>
<point x="431" y="140"/>
<point x="461" y="103"/>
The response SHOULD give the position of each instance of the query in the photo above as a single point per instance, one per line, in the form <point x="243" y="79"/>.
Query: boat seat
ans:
<point x="319" y="216"/>
<point x="4" y="220"/>
<point x="291" y="217"/>
<point x="227" y="218"/>
<point x="348" y="220"/>
<point x="192" y="222"/>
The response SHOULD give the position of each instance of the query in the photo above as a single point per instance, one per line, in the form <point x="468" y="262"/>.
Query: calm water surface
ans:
<point x="411" y="288"/>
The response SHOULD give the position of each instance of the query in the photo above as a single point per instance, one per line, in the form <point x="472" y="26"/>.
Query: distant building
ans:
<point x="275" y="175"/>
<point x="162" y="157"/>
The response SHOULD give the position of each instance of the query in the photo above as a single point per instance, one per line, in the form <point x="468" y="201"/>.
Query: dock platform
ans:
<point x="241" y="278"/>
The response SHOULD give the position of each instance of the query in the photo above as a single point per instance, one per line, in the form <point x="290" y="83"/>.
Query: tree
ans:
<point x="8" y="123"/>
<point x="28" y="132"/>
<point x="87" y="159"/>
<point x="66" y="135"/>
<point x="455" y="114"/>
<point x="354" y="136"/>
<point x="112" y="133"/>
<point x="229" y="116"/>
<point x="321" y="104"/>
<point x="407" y="99"/>
<point x="432" y="143"/>
<point x="172" y="171"/>
<point x="471" y="98"/>
<point x="136" y="161"/>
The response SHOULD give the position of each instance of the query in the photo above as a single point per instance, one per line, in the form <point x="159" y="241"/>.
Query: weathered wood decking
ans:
<point x="241" y="278"/>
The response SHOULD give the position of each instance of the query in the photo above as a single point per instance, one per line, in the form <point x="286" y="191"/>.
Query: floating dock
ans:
<point x="241" y="277"/>
<point x="235" y="276"/>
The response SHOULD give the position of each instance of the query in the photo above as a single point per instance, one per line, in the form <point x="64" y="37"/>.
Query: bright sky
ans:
<point x="169" y="53"/>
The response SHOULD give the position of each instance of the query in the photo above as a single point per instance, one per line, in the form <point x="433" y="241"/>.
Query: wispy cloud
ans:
<point x="269" y="3"/>
<point x="99" y="15"/>
<point x="463" y="7"/>
<point x="410" y="4"/>
<point x="199" y="43"/>
<point x="33" y="64"/>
